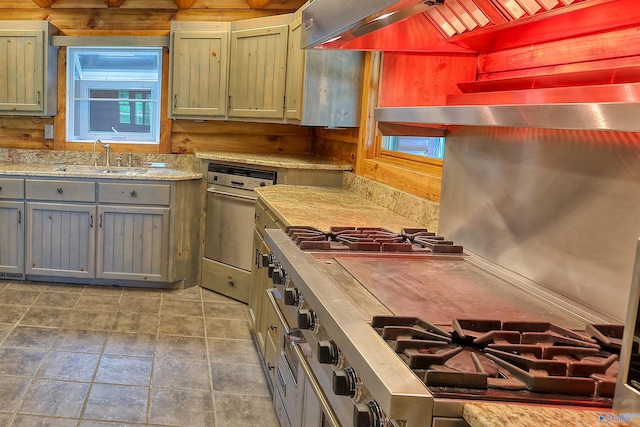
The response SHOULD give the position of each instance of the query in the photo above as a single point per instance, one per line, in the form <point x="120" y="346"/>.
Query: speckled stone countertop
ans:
<point x="83" y="171"/>
<point x="508" y="415"/>
<point x="289" y="161"/>
<point x="322" y="207"/>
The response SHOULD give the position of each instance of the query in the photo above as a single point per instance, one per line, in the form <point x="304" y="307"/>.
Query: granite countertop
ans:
<point x="511" y="415"/>
<point x="328" y="206"/>
<point x="87" y="171"/>
<point x="289" y="161"/>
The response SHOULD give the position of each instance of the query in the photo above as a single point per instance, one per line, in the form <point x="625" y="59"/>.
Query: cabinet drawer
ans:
<point x="11" y="188"/>
<point x="64" y="191"/>
<point x="134" y="194"/>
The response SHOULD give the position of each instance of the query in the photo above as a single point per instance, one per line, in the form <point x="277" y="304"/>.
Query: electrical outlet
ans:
<point x="48" y="131"/>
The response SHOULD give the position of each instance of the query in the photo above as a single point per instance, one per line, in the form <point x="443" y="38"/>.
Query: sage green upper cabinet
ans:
<point x="295" y="71"/>
<point x="28" y="84"/>
<point x="258" y="67"/>
<point x="323" y="87"/>
<point x="199" y="64"/>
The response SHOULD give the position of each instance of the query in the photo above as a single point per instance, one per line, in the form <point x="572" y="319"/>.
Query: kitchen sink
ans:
<point x="102" y="170"/>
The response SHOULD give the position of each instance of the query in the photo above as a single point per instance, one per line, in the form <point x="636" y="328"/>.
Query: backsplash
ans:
<point x="423" y="211"/>
<point x="187" y="162"/>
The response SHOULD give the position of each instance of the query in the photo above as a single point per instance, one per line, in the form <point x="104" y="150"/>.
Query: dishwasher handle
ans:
<point x="250" y="196"/>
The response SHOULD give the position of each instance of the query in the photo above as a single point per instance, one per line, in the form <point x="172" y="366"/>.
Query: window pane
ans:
<point x="417" y="145"/>
<point x="109" y="113"/>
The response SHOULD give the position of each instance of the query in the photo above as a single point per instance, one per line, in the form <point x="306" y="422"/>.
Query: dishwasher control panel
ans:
<point x="239" y="177"/>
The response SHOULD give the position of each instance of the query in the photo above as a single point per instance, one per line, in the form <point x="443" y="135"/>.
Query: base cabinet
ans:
<point x="125" y="232"/>
<point x="133" y="243"/>
<point x="60" y="239"/>
<point x="11" y="239"/>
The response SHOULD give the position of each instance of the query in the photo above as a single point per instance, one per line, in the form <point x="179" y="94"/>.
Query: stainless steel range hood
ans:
<point x="614" y="107"/>
<point x="612" y="116"/>
<point x="324" y="20"/>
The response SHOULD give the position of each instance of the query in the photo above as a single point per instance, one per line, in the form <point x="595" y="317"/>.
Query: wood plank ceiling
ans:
<point x="182" y="4"/>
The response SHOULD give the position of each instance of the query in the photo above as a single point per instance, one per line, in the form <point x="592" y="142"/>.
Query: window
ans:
<point x="426" y="146"/>
<point x="113" y="94"/>
<point x="413" y="143"/>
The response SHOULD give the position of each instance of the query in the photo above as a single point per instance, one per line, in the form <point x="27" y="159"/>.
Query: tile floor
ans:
<point x="94" y="356"/>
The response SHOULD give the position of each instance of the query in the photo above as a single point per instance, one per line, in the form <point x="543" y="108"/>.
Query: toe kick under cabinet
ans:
<point x="110" y="231"/>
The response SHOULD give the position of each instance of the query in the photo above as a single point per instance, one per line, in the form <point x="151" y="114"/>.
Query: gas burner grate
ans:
<point x="371" y="239"/>
<point x="536" y="357"/>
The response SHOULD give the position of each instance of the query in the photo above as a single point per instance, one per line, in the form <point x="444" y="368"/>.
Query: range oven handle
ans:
<point x="283" y="321"/>
<point x="238" y="196"/>
<point x="322" y="399"/>
<point x="331" y="417"/>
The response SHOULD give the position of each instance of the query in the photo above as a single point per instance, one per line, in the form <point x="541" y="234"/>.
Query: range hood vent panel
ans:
<point x="326" y="20"/>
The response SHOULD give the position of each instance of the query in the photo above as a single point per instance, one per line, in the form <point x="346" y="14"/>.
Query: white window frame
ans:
<point x="80" y="132"/>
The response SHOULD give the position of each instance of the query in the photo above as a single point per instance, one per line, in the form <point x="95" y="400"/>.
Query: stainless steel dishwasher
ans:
<point x="226" y="267"/>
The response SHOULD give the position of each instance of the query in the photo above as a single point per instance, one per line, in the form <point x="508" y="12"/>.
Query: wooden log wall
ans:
<point x="138" y="18"/>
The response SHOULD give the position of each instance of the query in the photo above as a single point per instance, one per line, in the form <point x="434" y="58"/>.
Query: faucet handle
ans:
<point x="118" y="160"/>
<point x="95" y="160"/>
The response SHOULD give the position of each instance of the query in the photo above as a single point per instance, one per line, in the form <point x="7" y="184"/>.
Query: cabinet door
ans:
<point x="22" y="81"/>
<point x="257" y="72"/>
<point x="199" y="73"/>
<point x="133" y="243"/>
<point x="60" y="239"/>
<point x="295" y="71"/>
<point x="11" y="239"/>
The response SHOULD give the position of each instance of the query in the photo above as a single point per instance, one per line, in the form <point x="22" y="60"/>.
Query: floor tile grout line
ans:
<point x="209" y="369"/>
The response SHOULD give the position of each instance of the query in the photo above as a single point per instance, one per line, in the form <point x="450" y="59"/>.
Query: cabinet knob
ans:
<point x="230" y="283"/>
<point x="60" y="190"/>
<point x="133" y="193"/>
<point x="0" y="188"/>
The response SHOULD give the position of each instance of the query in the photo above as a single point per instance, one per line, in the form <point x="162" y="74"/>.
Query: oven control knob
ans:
<point x="277" y="275"/>
<point x="266" y="259"/>
<point x="345" y="382"/>
<point x="369" y="415"/>
<point x="291" y="296"/>
<point x="306" y="319"/>
<point x="270" y="269"/>
<point x="361" y="415"/>
<point x="328" y="353"/>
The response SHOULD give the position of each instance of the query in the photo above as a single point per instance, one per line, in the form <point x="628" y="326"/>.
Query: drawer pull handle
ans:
<point x="134" y="193"/>
<point x="60" y="191"/>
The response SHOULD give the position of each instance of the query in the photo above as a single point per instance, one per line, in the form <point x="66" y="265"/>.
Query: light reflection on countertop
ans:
<point x="276" y="160"/>
<point x="88" y="171"/>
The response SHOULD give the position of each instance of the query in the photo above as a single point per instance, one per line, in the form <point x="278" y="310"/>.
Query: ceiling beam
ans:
<point x="114" y="3"/>
<point x="258" y="4"/>
<point x="184" y="4"/>
<point x="44" y="3"/>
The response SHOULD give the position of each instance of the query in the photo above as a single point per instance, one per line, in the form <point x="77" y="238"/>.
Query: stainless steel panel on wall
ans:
<point x="561" y="208"/>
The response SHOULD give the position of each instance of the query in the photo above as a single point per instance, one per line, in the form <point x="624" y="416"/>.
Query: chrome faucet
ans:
<point x="107" y="149"/>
